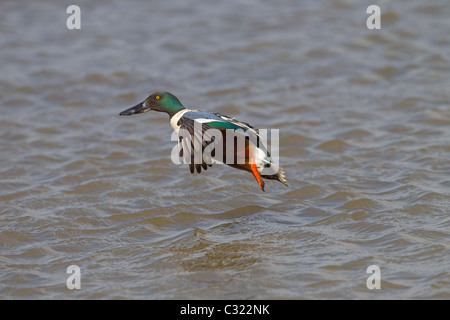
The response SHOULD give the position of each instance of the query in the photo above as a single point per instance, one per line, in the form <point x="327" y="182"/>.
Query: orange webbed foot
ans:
<point x="256" y="174"/>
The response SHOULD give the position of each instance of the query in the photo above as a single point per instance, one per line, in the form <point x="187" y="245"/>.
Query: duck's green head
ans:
<point x="159" y="101"/>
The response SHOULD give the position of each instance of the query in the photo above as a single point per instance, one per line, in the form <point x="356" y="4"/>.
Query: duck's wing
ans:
<point x="194" y="136"/>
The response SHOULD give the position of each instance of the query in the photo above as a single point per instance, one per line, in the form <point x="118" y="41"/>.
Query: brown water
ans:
<point x="364" y="123"/>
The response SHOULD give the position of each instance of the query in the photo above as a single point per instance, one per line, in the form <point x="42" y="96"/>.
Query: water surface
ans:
<point x="364" y="123"/>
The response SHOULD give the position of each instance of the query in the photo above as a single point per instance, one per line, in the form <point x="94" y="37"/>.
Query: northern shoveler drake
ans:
<point x="255" y="157"/>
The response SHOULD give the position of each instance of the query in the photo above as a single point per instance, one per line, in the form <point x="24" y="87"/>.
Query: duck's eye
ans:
<point x="157" y="97"/>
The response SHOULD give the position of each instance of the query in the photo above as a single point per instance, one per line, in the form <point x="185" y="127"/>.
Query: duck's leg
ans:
<point x="256" y="174"/>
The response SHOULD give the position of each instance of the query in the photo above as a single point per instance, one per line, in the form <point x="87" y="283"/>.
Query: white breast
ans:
<point x="176" y="117"/>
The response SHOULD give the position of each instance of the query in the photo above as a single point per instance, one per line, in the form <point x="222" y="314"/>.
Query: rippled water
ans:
<point x="364" y="123"/>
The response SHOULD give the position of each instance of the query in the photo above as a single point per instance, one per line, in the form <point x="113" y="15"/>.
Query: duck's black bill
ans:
<point x="139" y="108"/>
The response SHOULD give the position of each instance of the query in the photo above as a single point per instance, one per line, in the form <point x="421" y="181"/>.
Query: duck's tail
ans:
<point x="279" y="174"/>
<point x="281" y="177"/>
